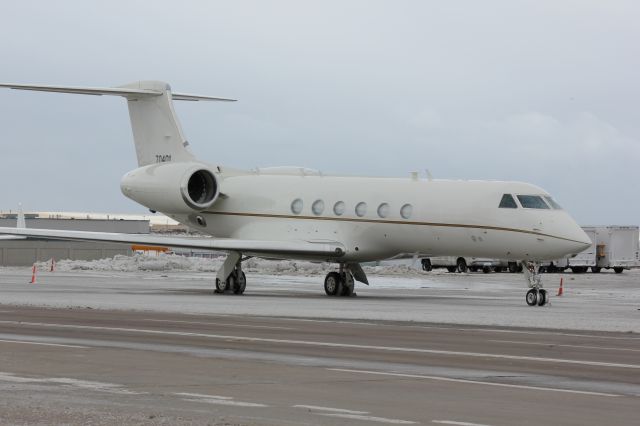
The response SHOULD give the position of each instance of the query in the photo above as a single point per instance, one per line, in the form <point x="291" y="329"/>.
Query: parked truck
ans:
<point x="463" y="264"/>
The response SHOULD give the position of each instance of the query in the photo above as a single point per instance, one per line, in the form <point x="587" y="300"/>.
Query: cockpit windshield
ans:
<point x="508" y="202"/>
<point x="532" y="202"/>
<point x="552" y="202"/>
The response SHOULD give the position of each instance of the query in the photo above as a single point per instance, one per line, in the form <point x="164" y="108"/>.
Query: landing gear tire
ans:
<point x="461" y="265"/>
<point x="486" y="269"/>
<point x="332" y="284"/>
<point x="532" y="297"/>
<point x="347" y="290"/>
<point x="240" y="284"/>
<point x="542" y="297"/>
<point x="513" y="267"/>
<point x="221" y="286"/>
<point x="426" y="265"/>
<point x="618" y="270"/>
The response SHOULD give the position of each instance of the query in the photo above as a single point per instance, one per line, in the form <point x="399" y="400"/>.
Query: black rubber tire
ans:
<point x="513" y="267"/>
<point x="486" y="269"/>
<point x="240" y="285"/>
<point x="426" y="265"/>
<point x="452" y="268"/>
<point x="596" y="269"/>
<point x="531" y="297"/>
<point x="618" y="270"/>
<point x="461" y="265"/>
<point x="345" y="290"/>
<point x="542" y="270"/>
<point x="332" y="283"/>
<point x="519" y="268"/>
<point x="542" y="297"/>
<point x="221" y="286"/>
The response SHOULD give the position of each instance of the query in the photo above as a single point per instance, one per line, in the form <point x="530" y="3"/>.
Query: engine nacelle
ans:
<point x="181" y="187"/>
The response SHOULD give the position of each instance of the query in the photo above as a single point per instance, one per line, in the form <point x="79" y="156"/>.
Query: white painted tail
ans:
<point x="21" y="223"/>
<point x="156" y="130"/>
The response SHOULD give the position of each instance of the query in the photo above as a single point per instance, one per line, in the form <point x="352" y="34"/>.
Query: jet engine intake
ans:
<point x="181" y="187"/>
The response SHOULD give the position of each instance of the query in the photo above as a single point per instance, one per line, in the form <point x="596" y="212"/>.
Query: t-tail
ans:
<point x="156" y="129"/>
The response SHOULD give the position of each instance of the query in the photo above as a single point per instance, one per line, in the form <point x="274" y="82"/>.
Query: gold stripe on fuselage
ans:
<point x="390" y="222"/>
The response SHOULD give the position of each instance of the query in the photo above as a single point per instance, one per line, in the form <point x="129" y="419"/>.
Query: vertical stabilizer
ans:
<point x="157" y="133"/>
<point x="21" y="223"/>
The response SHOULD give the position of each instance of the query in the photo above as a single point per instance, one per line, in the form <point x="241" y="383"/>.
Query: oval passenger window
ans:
<point x="317" y="207"/>
<point x="296" y="206"/>
<point x="406" y="211"/>
<point x="361" y="209"/>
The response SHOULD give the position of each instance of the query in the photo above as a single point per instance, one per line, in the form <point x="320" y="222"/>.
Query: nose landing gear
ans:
<point x="536" y="295"/>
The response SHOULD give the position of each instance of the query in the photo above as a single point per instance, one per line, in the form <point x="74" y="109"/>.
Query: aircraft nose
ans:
<point x="582" y="240"/>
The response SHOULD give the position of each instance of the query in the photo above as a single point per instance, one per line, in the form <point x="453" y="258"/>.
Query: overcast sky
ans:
<point x="545" y="92"/>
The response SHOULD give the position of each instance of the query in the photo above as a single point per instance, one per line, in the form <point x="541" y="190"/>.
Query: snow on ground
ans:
<point x="171" y="262"/>
<point x="398" y="292"/>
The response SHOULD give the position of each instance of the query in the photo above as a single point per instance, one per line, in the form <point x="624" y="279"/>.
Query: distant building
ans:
<point x="26" y="252"/>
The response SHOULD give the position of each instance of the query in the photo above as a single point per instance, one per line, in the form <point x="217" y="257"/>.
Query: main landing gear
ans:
<point x="536" y="294"/>
<point x="231" y="277"/>
<point x="342" y="283"/>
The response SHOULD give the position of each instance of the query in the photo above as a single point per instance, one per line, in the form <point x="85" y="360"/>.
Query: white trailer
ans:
<point x="613" y="247"/>
<point x="617" y="247"/>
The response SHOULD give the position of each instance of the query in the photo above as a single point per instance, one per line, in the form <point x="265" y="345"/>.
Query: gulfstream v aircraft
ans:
<point x="299" y="213"/>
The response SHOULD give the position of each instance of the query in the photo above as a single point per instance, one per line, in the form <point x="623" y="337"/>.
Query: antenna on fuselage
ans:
<point x="429" y="176"/>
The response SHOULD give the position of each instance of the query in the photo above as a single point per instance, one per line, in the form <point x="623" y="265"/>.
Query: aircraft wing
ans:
<point x="254" y="247"/>
<point x="12" y="237"/>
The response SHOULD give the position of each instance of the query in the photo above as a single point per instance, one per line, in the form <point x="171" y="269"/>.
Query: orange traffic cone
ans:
<point x="33" y="274"/>
<point x="53" y="265"/>
<point x="561" y="289"/>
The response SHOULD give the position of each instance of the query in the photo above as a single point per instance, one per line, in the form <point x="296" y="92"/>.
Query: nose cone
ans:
<point x="580" y="239"/>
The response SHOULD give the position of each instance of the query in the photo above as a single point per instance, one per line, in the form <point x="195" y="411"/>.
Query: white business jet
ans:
<point x="300" y="213"/>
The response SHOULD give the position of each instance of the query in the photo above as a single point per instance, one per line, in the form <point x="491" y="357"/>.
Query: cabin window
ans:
<point x="532" y="202"/>
<point x="508" y="202"/>
<point x="339" y="208"/>
<point x="317" y="207"/>
<point x="361" y="209"/>
<point x="383" y="210"/>
<point x="296" y="206"/>
<point x="406" y="211"/>
<point x="553" y="202"/>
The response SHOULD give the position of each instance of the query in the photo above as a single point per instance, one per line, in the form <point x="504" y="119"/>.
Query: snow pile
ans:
<point x="171" y="262"/>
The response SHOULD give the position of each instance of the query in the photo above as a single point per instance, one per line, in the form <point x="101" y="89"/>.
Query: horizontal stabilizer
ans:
<point x="99" y="91"/>
<point x="188" y="97"/>
<point x="253" y="247"/>
<point x="127" y="92"/>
